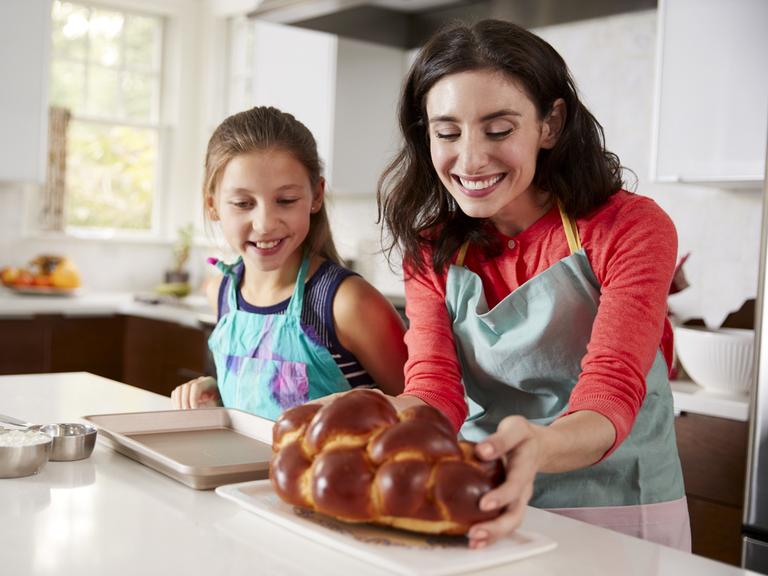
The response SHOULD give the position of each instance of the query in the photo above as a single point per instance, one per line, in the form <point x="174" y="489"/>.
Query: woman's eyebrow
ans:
<point x="491" y="116"/>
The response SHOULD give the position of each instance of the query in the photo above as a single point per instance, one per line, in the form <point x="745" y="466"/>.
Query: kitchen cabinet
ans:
<point x="160" y="355"/>
<point x="55" y="343"/>
<point x="713" y="454"/>
<point x="87" y="343"/>
<point x="24" y="345"/>
<point x="345" y="91"/>
<point x="24" y="46"/>
<point x="711" y="108"/>
<point x="156" y="355"/>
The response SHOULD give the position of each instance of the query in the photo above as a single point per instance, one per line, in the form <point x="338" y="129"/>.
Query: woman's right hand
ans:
<point x="201" y="392"/>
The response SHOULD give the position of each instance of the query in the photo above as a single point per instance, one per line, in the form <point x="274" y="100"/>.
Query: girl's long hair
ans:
<point x="419" y="213"/>
<point x="266" y="128"/>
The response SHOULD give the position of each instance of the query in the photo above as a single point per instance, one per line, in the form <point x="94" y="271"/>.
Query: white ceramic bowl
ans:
<point x="719" y="360"/>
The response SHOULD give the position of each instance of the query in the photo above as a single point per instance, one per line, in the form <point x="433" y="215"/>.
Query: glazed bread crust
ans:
<point x="359" y="460"/>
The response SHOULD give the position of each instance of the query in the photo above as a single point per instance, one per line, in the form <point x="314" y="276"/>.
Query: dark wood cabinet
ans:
<point x="87" y="343"/>
<point x="152" y="354"/>
<point x="24" y="345"/>
<point x="713" y="454"/>
<point x="160" y="355"/>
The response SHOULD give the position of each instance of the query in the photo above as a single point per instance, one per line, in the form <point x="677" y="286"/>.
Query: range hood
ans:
<point x="408" y="23"/>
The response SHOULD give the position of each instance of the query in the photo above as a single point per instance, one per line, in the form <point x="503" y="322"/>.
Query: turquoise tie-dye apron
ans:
<point x="267" y="363"/>
<point x="524" y="357"/>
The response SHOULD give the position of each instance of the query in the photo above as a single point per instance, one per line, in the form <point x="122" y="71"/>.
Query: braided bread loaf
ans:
<point x="358" y="460"/>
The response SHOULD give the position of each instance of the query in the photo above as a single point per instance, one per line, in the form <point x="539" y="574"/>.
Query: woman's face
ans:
<point x="264" y="201"/>
<point x="485" y="135"/>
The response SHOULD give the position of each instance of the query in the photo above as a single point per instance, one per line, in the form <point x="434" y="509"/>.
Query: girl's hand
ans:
<point x="201" y="392"/>
<point x="520" y="442"/>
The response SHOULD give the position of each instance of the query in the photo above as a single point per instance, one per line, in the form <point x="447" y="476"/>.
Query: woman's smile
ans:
<point x="478" y="186"/>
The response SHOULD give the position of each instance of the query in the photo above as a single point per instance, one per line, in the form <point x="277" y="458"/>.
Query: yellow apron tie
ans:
<point x="571" y="231"/>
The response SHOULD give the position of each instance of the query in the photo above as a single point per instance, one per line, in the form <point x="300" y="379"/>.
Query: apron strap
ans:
<point x="229" y="270"/>
<point x="297" y="298"/>
<point x="571" y="231"/>
<point x="462" y="254"/>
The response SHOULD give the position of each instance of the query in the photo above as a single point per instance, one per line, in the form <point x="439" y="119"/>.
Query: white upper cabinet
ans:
<point x="24" y="44"/>
<point x="344" y="91"/>
<point x="711" y="116"/>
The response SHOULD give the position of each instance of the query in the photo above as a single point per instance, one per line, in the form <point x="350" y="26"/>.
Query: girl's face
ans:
<point x="485" y="135"/>
<point x="264" y="201"/>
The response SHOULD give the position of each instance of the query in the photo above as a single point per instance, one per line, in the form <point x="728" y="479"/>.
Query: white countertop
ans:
<point x="189" y="311"/>
<point x="111" y="515"/>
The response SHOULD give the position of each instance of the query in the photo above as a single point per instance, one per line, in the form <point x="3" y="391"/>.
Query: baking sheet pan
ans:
<point x="396" y="550"/>
<point x="201" y="448"/>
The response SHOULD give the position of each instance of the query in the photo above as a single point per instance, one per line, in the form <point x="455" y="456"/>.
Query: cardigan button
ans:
<point x="511" y="244"/>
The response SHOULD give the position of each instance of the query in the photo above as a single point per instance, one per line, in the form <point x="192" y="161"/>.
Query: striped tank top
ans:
<point x="316" y="314"/>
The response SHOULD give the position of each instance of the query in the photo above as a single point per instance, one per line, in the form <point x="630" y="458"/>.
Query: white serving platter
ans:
<point x="396" y="550"/>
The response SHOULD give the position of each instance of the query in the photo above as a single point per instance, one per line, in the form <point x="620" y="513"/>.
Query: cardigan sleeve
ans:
<point x="432" y="371"/>
<point x="634" y="262"/>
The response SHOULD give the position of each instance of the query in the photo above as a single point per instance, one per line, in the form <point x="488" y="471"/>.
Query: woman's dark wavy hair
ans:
<point x="418" y="211"/>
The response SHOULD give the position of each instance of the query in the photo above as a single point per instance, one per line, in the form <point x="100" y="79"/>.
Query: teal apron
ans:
<point x="524" y="357"/>
<point x="267" y="363"/>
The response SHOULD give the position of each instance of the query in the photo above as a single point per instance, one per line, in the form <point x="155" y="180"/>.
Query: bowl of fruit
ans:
<point x="45" y="275"/>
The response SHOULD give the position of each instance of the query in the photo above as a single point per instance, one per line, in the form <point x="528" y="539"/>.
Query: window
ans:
<point x="106" y="68"/>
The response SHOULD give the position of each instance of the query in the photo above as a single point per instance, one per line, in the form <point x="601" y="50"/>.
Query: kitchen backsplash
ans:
<point x="613" y="61"/>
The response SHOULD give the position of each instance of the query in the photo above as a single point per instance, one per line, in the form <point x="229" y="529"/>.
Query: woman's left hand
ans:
<point x="521" y="443"/>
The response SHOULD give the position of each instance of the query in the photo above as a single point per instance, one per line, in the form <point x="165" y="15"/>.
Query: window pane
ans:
<point x="142" y="43"/>
<point x="69" y="25"/>
<point x="103" y="87"/>
<point x="106" y="29"/>
<point x="138" y="96"/>
<point x="68" y="85"/>
<point x="110" y="176"/>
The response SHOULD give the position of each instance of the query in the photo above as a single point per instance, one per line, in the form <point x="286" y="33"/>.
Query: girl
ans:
<point x="293" y="324"/>
<point x="535" y="285"/>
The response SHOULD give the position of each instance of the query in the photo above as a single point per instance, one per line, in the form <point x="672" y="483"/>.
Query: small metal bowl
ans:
<point x="17" y="461"/>
<point x="70" y="441"/>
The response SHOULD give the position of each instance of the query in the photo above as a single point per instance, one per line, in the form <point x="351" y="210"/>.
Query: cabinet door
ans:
<point x="89" y="343"/>
<point x="159" y="355"/>
<point x="24" y="345"/>
<point x="144" y="353"/>
<point x="713" y="454"/>
<point x="712" y="92"/>
<point x="24" y="42"/>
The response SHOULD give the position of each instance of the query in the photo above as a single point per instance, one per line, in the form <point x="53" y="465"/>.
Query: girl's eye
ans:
<point x="447" y="135"/>
<point x="287" y="201"/>
<point x="500" y="134"/>
<point x="241" y="204"/>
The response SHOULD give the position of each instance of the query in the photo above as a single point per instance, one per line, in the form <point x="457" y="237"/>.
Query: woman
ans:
<point x="535" y="285"/>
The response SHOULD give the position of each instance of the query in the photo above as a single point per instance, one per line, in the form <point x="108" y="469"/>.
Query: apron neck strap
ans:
<point x="462" y="254"/>
<point x="228" y="270"/>
<point x="297" y="298"/>
<point x="571" y="231"/>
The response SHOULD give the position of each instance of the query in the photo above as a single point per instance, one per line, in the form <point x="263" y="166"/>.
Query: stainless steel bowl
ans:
<point x="70" y="441"/>
<point x="17" y="461"/>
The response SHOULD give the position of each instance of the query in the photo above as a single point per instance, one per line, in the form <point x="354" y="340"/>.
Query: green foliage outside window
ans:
<point x="105" y="67"/>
